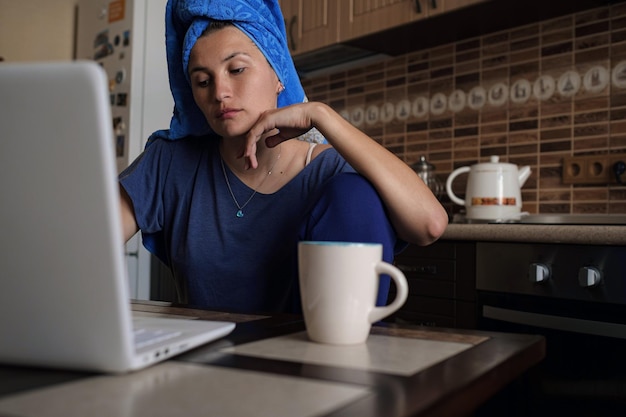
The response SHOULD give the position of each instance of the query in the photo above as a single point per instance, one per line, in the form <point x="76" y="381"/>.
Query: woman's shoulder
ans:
<point x="173" y="155"/>
<point x="318" y="148"/>
<point x="323" y="157"/>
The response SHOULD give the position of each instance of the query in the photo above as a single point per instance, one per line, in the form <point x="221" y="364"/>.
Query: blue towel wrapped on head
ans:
<point x="185" y="20"/>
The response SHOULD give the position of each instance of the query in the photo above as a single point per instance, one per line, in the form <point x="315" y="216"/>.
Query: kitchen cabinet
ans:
<point x="314" y="24"/>
<point x="310" y="24"/>
<point x="436" y="7"/>
<point x="363" y="17"/>
<point x="442" y="285"/>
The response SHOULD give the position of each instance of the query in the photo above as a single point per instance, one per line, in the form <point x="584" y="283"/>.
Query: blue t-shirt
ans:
<point x="188" y="219"/>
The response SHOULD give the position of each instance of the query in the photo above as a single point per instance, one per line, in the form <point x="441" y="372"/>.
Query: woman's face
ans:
<point x="231" y="81"/>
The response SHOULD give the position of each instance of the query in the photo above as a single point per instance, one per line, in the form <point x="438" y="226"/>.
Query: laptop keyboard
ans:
<point x="147" y="337"/>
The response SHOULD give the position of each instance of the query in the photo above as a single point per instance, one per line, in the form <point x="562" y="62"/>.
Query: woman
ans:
<point x="223" y="199"/>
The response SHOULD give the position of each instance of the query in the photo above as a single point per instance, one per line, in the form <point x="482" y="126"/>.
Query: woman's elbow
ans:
<point x="432" y="226"/>
<point x="436" y="226"/>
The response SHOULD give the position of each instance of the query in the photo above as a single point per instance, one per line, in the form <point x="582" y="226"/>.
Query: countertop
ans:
<point x="402" y="371"/>
<point x="538" y="233"/>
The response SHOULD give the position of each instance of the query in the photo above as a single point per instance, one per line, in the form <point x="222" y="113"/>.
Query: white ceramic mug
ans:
<point x="338" y="286"/>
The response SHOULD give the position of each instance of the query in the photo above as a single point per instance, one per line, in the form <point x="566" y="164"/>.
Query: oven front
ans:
<point x="574" y="295"/>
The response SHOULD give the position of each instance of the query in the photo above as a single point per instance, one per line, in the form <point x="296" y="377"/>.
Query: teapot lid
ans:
<point x="423" y="165"/>
<point x="494" y="159"/>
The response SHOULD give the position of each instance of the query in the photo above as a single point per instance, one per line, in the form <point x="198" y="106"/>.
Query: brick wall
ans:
<point x="532" y="95"/>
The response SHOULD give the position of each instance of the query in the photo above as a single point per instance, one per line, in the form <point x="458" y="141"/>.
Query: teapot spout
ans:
<point x="524" y="173"/>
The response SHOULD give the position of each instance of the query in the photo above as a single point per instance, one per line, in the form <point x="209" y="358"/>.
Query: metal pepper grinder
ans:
<point x="426" y="171"/>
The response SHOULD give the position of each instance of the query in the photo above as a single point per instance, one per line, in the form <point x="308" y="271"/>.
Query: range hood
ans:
<point x="338" y="57"/>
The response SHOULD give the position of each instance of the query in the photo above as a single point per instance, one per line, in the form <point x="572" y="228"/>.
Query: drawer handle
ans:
<point x="418" y="7"/>
<point x="420" y="269"/>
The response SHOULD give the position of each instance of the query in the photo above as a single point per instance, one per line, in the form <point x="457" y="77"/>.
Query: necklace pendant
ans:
<point x="239" y="213"/>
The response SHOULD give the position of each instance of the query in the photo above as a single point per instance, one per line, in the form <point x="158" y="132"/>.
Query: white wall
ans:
<point x="32" y="30"/>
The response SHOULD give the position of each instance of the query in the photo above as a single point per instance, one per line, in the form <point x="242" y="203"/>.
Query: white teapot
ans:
<point x="493" y="191"/>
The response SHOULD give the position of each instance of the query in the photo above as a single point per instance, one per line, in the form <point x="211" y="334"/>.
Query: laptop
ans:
<point x="64" y="292"/>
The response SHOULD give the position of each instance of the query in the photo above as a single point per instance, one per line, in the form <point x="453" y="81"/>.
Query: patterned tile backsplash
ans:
<point x="532" y="95"/>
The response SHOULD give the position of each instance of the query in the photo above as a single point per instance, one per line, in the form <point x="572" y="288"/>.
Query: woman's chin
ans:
<point x="230" y="133"/>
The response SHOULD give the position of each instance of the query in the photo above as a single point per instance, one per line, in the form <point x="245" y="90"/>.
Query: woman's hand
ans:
<point x="276" y="126"/>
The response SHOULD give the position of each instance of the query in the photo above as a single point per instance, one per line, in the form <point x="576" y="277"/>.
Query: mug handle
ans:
<point x="402" y="292"/>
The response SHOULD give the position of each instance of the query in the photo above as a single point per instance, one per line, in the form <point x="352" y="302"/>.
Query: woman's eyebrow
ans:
<point x="234" y="55"/>
<point x="228" y="58"/>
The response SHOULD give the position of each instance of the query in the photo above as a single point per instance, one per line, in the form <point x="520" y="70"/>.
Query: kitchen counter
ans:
<point x="538" y="233"/>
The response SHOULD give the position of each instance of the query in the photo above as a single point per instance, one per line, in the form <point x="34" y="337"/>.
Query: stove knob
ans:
<point x="538" y="272"/>
<point x="589" y="276"/>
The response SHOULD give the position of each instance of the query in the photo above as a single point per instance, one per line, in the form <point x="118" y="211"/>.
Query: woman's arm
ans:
<point x="129" y="224"/>
<point x="415" y="212"/>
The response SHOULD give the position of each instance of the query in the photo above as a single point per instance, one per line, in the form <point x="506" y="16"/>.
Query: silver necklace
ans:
<point x="230" y="190"/>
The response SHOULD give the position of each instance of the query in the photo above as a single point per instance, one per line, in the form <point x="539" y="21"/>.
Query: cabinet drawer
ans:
<point x="429" y="305"/>
<point x="441" y="281"/>
<point x="422" y="319"/>
<point x="440" y="249"/>
<point x="434" y="269"/>
<point x="431" y="288"/>
<point x="464" y="316"/>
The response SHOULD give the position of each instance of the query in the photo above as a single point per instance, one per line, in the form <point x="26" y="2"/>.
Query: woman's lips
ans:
<point x="227" y="113"/>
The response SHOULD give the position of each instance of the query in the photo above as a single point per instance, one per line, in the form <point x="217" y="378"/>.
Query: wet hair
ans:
<point x="216" y="25"/>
